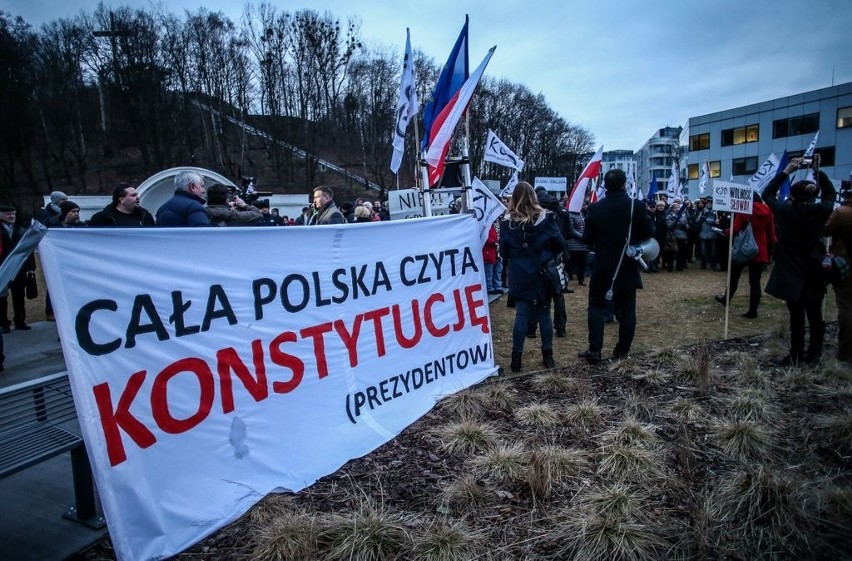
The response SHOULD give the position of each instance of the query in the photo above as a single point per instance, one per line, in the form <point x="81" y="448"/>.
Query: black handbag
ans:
<point x="551" y="270"/>
<point x="31" y="285"/>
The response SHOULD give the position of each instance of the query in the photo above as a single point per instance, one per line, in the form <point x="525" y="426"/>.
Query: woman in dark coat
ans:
<point x="797" y="275"/>
<point x="529" y="237"/>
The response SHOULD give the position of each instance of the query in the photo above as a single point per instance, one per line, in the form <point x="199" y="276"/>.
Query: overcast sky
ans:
<point x="620" y="68"/>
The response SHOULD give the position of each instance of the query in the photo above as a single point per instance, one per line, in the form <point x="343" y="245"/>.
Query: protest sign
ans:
<point x="211" y="366"/>
<point x="732" y="197"/>
<point x="551" y="183"/>
<point x="408" y="203"/>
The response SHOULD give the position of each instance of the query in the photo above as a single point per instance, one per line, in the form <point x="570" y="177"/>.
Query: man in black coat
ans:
<point x="124" y="210"/>
<point x="614" y="274"/>
<point x="797" y="276"/>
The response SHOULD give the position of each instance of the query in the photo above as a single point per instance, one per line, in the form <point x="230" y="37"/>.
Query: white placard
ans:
<point x="732" y="197"/>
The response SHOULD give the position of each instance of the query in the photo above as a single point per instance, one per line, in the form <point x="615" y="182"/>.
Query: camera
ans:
<point x="247" y="191"/>
<point x="806" y="162"/>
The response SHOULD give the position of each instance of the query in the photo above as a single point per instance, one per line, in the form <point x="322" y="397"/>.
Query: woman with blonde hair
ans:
<point x="529" y="238"/>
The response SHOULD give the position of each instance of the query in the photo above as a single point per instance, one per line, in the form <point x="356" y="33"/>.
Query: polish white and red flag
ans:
<point x="589" y="175"/>
<point x="448" y="118"/>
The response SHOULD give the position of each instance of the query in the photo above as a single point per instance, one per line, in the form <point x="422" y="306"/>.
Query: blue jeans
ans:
<point x="526" y="310"/>
<point x="489" y="276"/>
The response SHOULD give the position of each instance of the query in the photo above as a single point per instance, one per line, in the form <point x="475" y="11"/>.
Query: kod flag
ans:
<point x="496" y="151"/>
<point x="764" y="175"/>
<point x="510" y="185"/>
<point x="704" y="182"/>
<point x="407" y="106"/>
<point x="203" y="383"/>
<point x="486" y="208"/>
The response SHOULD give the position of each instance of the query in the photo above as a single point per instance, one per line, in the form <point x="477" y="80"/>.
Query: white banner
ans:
<point x="486" y="208"/>
<point x="551" y="183"/>
<point x="213" y="366"/>
<point x="732" y="197"/>
<point x="496" y="151"/>
<point x="408" y="203"/>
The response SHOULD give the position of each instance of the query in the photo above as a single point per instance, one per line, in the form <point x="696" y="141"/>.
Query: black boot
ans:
<point x="516" y="362"/>
<point x="547" y="358"/>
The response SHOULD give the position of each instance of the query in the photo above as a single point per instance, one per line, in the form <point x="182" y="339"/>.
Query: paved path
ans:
<point x="33" y="501"/>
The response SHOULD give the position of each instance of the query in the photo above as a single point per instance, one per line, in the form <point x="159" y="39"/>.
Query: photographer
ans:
<point x="797" y="276"/>
<point x="234" y="212"/>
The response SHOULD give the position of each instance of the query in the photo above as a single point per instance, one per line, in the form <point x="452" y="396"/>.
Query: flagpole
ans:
<point x="467" y="202"/>
<point x="728" y="275"/>
<point x="416" y="148"/>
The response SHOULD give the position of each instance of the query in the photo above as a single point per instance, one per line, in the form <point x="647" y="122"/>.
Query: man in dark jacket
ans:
<point x="326" y="211"/>
<point x="797" y="276"/>
<point x="186" y="207"/>
<point x="124" y="211"/>
<point x="615" y="277"/>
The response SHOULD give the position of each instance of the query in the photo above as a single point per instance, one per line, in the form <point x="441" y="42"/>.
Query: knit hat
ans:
<point x="65" y="208"/>
<point x="57" y="197"/>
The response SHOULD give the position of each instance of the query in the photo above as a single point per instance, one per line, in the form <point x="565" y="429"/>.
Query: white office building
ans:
<point x="655" y="158"/>
<point x="736" y="142"/>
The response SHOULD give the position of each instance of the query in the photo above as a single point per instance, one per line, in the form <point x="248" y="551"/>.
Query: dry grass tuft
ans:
<point x="697" y="367"/>
<point x="565" y="463"/>
<point x="742" y="439"/>
<point x="464" y="494"/>
<point x="780" y="332"/>
<point x="833" y="431"/>
<point x="271" y="507"/>
<point x="369" y="534"/>
<point x="587" y="414"/>
<point x="631" y="431"/>
<point x="287" y="537"/>
<point x="556" y="382"/>
<point x="639" y="405"/>
<point x="539" y="415"/>
<point x="447" y="541"/>
<point x="797" y="379"/>
<point x="762" y="508"/>
<point x="498" y="395"/>
<point x="665" y="356"/>
<point x="539" y="476"/>
<point x="503" y="464"/>
<point x="836" y="372"/>
<point x="467" y="437"/>
<point x="609" y="523"/>
<point x="686" y="410"/>
<point x="630" y="462"/>
<point x="650" y="376"/>
<point x="466" y="404"/>
<point x="751" y="404"/>
<point x="749" y="371"/>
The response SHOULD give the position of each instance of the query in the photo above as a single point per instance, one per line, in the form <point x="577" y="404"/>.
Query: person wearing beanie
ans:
<point x="69" y="214"/>
<point x="124" y="211"/>
<point x="796" y="275"/>
<point x="49" y="215"/>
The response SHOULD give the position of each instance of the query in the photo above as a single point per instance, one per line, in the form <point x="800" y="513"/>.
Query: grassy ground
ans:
<point x="673" y="310"/>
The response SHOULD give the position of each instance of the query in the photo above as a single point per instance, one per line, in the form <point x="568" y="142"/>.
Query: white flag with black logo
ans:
<point x="407" y="107"/>
<point x="496" y="151"/>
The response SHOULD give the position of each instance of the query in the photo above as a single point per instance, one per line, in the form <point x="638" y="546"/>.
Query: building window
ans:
<point x="699" y="141"/>
<point x="844" y="117"/>
<point x="692" y="171"/>
<point x="745" y="166"/>
<point x="740" y="135"/>
<point x="716" y="169"/>
<point x="794" y="126"/>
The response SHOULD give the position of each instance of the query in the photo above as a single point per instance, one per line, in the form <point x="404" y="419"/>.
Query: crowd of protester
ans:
<point x="689" y="233"/>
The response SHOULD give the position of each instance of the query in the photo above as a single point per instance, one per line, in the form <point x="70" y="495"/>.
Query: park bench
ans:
<point x="38" y="421"/>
